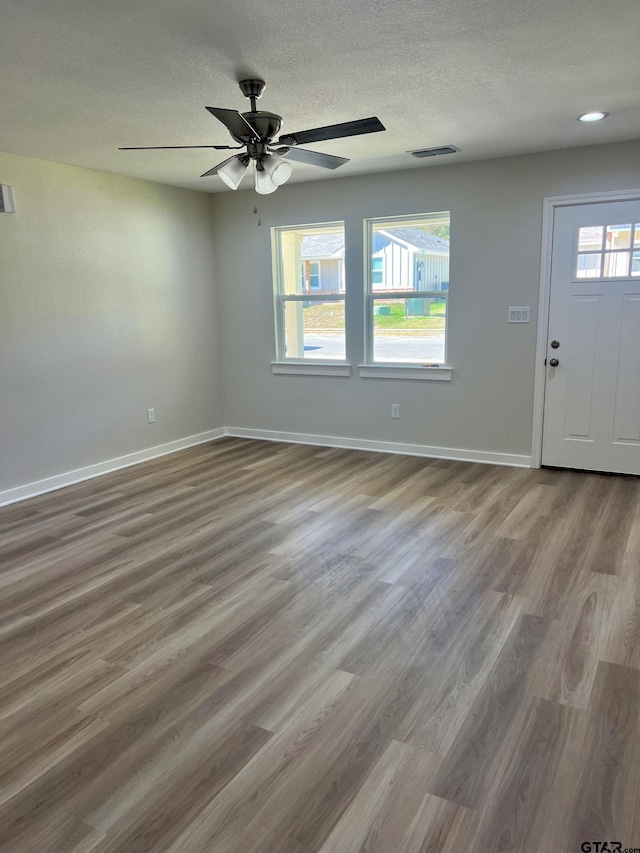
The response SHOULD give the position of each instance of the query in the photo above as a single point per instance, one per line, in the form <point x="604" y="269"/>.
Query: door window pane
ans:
<point x="590" y="238"/>
<point x="409" y="330"/>
<point x="314" y="329"/>
<point x="618" y="237"/>
<point x="616" y="264"/>
<point x="589" y="265"/>
<point x="604" y="251"/>
<point x="635" y="264"/>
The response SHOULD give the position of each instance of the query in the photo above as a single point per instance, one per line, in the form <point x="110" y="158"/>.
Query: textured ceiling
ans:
<point x="78" y="78"/>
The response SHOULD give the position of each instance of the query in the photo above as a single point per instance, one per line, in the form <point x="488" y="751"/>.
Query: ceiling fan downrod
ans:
<point x="252" y="89"/>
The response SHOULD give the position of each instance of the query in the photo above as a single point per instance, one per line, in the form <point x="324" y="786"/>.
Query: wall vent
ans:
<point x="6" y="199"/>
<point x="434" y="152"/>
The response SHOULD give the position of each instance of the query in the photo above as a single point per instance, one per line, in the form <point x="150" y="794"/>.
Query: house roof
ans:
<point x="316" y="246"/>
<point x="419" y="239"/>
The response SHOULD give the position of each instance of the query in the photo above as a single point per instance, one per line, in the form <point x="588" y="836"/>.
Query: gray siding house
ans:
<point x="402" y="259"/>
<point x="409" y="259"/>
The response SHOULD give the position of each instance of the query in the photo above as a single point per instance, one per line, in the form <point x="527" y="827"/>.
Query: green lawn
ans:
<point x="397" y="319"/>
<point x="331" y="316"/>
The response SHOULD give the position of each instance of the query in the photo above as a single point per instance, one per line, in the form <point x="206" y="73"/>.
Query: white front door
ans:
<point x="592" y="393"/>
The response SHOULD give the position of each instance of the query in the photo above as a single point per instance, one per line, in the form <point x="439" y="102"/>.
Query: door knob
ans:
<point x="555" y="344"/>
<point x="554" y="362"/>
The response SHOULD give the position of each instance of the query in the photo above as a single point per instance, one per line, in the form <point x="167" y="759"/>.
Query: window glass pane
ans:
<point x="314" y="329"/>
<point x="635" y="264"/>
<point x="410" y="254"/>
<point x="636" y="240"/>
<point x="590" y="238"/>
<point x="589" y="266"/>
<point x="618" y="237"/>
<point x="311" y="259"/>
<point x="616" y="264"/>
<point x="409" y="330"/>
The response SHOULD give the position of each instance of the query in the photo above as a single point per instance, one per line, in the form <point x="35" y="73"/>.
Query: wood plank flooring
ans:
<point x="250" y="647"/>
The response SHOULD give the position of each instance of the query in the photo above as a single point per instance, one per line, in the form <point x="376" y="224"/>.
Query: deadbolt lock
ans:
<point x="555" y="344"/>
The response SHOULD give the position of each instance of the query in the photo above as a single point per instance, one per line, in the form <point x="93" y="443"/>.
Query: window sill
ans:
<point x="308" y="368"/>
<point x="405" y="371"/>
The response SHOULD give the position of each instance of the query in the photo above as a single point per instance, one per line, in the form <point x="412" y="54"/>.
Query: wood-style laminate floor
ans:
<point x="250" y="647"/>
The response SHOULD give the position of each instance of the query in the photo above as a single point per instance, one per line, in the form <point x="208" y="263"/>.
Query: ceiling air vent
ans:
<point x="434" y="152"/>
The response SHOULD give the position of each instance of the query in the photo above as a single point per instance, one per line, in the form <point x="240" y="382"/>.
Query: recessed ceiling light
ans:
<point x="596" y="115"/>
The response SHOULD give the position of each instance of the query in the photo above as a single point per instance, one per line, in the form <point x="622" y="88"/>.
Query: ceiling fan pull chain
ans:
<point x="256" y="206"/>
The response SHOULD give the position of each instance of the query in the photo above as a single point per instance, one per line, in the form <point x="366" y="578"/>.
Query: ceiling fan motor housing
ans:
<point x="267" y="126"/>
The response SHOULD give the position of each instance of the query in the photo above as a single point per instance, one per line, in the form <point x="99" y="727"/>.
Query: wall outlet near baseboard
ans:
<point x="395" y="410"/>
<point x="151" y="416"/>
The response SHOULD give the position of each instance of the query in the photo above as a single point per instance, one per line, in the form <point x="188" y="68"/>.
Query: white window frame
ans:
<point x="284" y="363"/>
<point x="399" y="369"/>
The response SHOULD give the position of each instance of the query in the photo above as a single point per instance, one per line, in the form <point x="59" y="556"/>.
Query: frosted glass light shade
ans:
<point x="233" y="172"/>
<point x="264" y="184"/>
<point x="278" y="169"/>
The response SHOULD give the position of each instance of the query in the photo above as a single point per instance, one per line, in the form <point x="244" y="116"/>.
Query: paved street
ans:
<point x="388" y="347"/>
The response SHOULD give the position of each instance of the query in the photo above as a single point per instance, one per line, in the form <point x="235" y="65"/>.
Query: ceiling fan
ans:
<point x="256" y="131"/>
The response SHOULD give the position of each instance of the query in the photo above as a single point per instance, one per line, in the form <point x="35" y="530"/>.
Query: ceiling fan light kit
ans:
<point x="277" y="168"/>
<point x="233" y="170"/>
<point x="256" y="130"/>
<point x="263" y="183"/>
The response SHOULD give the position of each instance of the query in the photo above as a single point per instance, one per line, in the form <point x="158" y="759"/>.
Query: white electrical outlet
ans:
<point x="395" y="410"/>
<point x="151" y="416"/>
<point x="7" y="204"/>
<point x="519" y="313"/>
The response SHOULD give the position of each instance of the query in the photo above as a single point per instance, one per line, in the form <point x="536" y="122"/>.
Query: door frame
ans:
<point x="549" y="206"/>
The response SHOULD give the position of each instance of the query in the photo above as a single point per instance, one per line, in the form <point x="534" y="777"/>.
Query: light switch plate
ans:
<point x="519" y="314"/>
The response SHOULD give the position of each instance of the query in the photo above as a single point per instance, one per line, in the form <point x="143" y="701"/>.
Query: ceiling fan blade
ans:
<point x="168" y="147"/>
<point x="312" y="158"/>
<point x="214" y="171"/>
<point x="235" y="123"/>
<point x="333" y="131"/>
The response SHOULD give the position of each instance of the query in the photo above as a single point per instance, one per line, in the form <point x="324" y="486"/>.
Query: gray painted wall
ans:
<point x="106" y="308"/>
<point x="496" y="216"/>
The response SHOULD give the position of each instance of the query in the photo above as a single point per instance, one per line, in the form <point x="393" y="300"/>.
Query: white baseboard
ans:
<point x="486" y="456"/>
<point x="40" y="487"/>
<point x="30" y="490"/>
